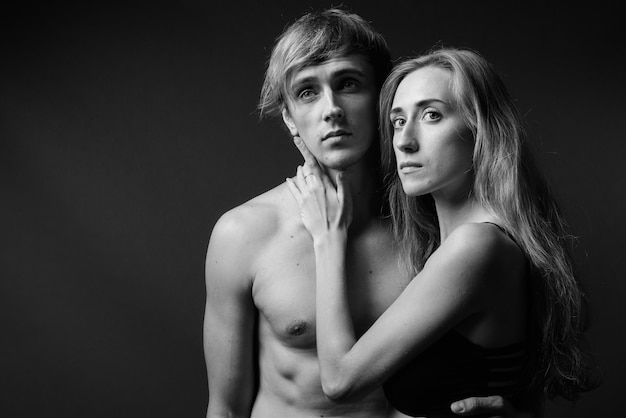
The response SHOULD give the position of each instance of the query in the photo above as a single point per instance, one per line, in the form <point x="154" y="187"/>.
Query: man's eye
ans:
<point x="398" y="123"/>
<point x="306" y="94"/>
<point x="350" y="84"/>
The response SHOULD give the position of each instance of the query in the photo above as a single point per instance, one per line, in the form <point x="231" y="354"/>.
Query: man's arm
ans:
<point x="229" y="321"/>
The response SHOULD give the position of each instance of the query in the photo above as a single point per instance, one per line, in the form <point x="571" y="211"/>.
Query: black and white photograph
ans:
<point x="299" y="209"/>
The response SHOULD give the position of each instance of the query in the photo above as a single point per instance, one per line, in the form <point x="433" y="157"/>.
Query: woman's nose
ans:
<point x="406" y="139"/>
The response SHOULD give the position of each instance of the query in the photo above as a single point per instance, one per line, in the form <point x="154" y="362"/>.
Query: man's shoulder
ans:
<point x="259" y="217"/>
<point x="242" y="234"/>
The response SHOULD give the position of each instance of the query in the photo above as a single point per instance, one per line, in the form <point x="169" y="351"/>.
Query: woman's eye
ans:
<point x="398" y="123"/>
<point x="431" y="115"/>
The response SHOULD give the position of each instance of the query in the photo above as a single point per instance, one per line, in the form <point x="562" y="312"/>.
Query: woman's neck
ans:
<point x="455" y="209"/>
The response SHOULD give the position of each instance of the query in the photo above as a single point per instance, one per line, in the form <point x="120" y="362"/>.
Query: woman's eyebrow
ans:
<point x="421" y="103"/>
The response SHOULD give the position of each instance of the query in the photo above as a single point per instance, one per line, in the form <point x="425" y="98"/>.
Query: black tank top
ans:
<point x="454" y="368"/>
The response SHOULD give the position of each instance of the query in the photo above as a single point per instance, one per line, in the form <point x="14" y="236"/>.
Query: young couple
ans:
<point x="457" y="297"/>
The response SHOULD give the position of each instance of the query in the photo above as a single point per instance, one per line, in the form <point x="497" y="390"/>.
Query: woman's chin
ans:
<point x="413" y="191"/>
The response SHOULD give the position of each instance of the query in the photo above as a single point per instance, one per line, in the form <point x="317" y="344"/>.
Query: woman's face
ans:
<point x="432" y="144"/>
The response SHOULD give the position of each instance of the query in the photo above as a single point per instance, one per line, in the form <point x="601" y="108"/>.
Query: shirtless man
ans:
<point x="259" y="330"/>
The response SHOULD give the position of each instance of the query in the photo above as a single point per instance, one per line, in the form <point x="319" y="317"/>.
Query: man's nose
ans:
<point x="333" y="108"/>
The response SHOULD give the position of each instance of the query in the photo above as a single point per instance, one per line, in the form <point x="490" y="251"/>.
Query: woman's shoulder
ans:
<point x="482" y="237"/>
<point x="482" y="247"/>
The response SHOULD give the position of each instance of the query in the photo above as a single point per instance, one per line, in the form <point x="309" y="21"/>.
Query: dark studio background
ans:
<point x="125" y="131"/>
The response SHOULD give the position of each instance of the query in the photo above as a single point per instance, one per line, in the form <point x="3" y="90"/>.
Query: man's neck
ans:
<point x="364" y="191"/>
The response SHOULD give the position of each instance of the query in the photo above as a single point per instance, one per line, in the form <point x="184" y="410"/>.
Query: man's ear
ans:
<point x="289" y="122"/>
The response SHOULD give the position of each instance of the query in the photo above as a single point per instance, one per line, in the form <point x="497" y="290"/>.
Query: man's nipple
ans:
<point x="297" y="327"/>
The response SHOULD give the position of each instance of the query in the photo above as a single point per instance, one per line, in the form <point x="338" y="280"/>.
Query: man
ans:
<point x="324" y="77"/>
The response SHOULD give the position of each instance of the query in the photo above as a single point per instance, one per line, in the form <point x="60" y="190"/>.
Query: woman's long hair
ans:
<point x="509" y="185"/>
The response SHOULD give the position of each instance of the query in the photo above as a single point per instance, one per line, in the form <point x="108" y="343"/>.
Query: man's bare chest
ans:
<point x="284" y="286"/>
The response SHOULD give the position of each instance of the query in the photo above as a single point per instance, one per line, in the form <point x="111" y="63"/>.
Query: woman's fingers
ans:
<point x="311" y="166"/>
<point x="301" y="179"/>
<point x="295" y="192"/>
<point x="321" y="206"/>
<point x="341" y="188"/>
<point x="310" y="162"/>
<point x="344" y="198"/>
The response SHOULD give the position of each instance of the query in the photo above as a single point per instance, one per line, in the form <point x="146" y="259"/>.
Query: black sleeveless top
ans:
<point x="454" y="368"/>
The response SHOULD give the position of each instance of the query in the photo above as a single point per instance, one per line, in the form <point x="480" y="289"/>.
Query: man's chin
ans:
<point x="342" y="160"/>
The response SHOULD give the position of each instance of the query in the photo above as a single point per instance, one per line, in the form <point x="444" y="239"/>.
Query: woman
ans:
<point x="494" y="306"/>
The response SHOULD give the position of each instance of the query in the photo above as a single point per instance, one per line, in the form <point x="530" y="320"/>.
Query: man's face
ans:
<point x="332" y="107"/>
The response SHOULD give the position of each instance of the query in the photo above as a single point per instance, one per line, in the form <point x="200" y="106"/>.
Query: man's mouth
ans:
<point x="339" y="132"/>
